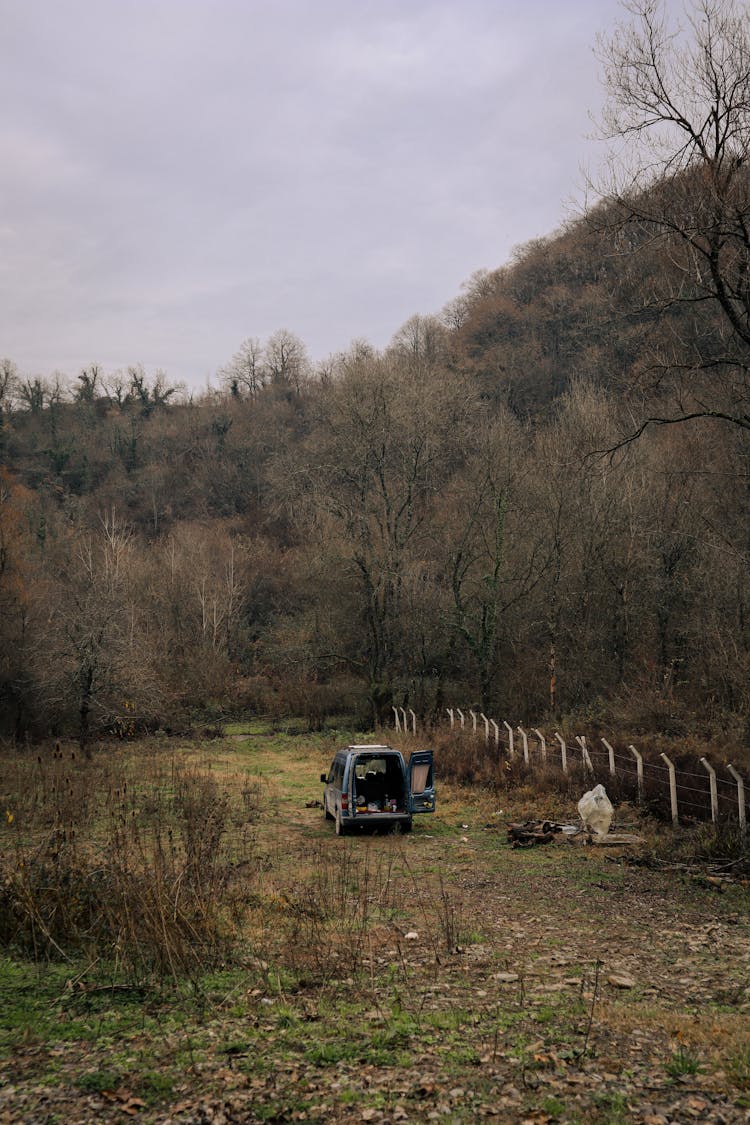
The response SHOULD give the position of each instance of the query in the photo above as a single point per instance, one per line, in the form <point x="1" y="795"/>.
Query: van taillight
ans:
<point x="344" y="803"/>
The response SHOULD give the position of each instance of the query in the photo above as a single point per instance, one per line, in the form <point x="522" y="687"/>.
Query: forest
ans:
<point x="536" y="501"/>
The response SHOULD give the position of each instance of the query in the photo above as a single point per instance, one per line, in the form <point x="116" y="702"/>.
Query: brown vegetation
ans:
<point x="462" y="517"/>
<point x="140" y="862"/>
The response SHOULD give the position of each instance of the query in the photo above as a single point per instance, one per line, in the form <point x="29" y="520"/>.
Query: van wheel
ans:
<point x="340" y="830"/>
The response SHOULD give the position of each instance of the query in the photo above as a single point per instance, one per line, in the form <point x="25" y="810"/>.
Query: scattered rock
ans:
<point x="621" y="980"/>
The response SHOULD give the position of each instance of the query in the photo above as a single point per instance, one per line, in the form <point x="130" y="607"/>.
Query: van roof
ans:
<point x="369" y="746"/>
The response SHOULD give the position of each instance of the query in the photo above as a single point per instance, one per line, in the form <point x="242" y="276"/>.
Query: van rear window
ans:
<point x="369" y="765"/>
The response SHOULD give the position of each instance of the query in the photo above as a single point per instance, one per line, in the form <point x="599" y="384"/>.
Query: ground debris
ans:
<point x="616" y="840"/>
<point x="531" y="832"/>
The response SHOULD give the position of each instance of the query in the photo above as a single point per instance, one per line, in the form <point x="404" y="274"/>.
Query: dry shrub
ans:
<point x="155" y="883"/>
<point x="472" y="761"/>
<point x="316" y="702"/>
<point x="324" y="919"/>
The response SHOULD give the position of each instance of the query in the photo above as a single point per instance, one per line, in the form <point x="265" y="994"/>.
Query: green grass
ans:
<point x="682" y="1062"/>
<point x="738" y="1066"/>
<point x="155" y="1086"/>
<point x="613" y="1108"/>
<point x="95" y="1081"/>
<point x="553" y="1106"/>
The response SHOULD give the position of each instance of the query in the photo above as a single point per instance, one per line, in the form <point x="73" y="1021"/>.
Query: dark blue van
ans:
<point x="373" y="787"/>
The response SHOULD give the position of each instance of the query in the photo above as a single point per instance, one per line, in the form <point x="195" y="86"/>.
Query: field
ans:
<point x="184" y="939"/>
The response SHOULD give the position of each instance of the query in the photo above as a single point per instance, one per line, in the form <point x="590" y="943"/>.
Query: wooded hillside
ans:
<point x="432" y="524"/>
<point x="460" y="518"/>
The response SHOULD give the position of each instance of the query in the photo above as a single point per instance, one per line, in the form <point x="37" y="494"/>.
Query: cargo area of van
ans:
<point x="379" y="784"/>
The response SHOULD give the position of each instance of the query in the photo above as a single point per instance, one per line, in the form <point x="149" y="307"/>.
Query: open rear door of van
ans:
<point x="421" y="781"/>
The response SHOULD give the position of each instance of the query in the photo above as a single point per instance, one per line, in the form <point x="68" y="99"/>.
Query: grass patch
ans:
<point x="683" y="1061"/>
<point x="96" y="1081"/>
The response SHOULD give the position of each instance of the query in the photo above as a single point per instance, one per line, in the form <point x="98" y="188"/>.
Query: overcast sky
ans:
<point x="178" y="175"/>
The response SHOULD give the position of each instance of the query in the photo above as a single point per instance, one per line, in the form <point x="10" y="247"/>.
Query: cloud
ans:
<point x="180" y="174"/>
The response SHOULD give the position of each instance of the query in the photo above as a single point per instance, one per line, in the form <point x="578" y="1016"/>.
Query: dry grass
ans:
<point x="142" y="860"/>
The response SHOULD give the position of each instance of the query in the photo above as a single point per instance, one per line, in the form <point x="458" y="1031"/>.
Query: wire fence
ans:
<point x="687" y="789"/>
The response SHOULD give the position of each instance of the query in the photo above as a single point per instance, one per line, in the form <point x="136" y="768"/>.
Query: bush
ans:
<point x="155" y="884"/>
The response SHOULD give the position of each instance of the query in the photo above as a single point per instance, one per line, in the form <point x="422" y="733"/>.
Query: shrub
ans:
<point x="154" y="884"/>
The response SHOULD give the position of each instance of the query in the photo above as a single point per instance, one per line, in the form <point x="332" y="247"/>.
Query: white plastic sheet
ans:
<point x="596" y="810"/>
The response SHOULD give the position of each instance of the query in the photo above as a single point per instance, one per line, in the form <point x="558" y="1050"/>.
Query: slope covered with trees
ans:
<point x="464" y="517"/>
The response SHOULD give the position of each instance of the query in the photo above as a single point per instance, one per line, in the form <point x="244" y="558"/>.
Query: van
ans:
<point x="374" y="787"/>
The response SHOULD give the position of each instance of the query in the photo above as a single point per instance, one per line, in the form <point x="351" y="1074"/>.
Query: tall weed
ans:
<point x="134" y="867"/>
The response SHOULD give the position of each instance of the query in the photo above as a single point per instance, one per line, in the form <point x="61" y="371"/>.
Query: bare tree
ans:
<point x="421" y="340"/>
<point x="89" y="382"/>
<point x="8" y="384"/>
<point x="8" y="381"/>
<point x="154" y="397"/>
<point x="116" y="389"/>
<point x="488" y="573"/>
<point x="678" y="120"/>
<point x="367" y="484"/>
<point x="246" y="371"/>
<point x="286" y="359"/>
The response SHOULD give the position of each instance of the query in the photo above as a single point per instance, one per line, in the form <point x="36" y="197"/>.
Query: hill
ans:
<point x="441" y="522"/>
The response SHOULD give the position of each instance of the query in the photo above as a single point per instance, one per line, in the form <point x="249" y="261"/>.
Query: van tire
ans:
<point x="340" y="830"/>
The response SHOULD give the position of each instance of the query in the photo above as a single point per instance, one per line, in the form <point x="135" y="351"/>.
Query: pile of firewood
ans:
<point x="532" y="832"/>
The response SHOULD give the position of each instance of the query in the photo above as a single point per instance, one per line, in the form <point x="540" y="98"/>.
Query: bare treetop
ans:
<point x="678" y="95"/>
<point x="678" y="117"/>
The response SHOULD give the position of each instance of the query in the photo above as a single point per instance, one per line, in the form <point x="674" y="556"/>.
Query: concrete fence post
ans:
<point x="395" y="715"/>
<point x="496" y="729"/>
<point x="413" y="721"/>
<point x="587" y="766"/>
<point x="486" y="722"/>
<point x="672" y="790"/>
<point x="525" y="740"/>
<point x="511" y="745"/>
<point x="712" y="786"/>
<point x="403" y="719"/>
<point x="450" y="712"/>
<point x="611" y="753"/>
<point x="740" y="801"/>
<point x="563" y="751"/>
<point x="639" y="770"/>
<point x="460" y="714"/>
<point x="542" y="744"/>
